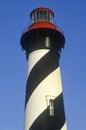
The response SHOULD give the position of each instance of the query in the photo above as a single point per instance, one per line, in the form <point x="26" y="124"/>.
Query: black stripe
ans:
<point x="47" y="122"/>
<point x="47" y="64"/>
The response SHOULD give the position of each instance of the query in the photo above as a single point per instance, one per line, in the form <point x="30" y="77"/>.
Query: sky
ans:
<point x="70" y="16"/>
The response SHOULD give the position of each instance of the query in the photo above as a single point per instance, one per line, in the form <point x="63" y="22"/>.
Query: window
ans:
<point x="50" y="104"/>
<point x="47" y="42"/>
<point x="51" y="107"/>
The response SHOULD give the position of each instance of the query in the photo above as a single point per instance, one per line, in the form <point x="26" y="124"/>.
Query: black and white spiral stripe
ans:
<point x="43" y="79"/>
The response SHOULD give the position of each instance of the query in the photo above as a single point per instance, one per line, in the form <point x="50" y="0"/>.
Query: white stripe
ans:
<point x="34" y="57"/>
<point x="50" y="87"/>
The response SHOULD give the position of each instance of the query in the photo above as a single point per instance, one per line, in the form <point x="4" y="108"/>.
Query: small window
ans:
<point x="47" y="42"/>
<point x="51" y="107"/>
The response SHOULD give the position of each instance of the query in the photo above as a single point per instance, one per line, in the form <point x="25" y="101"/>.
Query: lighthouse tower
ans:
<point x="42" y="42"/>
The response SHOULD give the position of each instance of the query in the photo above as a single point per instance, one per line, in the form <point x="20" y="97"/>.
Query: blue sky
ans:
<point x="70" y="15"/>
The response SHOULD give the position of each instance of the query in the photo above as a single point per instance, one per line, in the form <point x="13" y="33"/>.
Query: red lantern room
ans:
<point x="42" y="33"/>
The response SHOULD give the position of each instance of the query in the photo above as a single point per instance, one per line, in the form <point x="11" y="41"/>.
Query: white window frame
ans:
<point x="51" y="109"/>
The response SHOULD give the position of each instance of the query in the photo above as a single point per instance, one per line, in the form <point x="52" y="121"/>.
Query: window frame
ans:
<point x="48" y="98"/>
<point x="51" y="107"/>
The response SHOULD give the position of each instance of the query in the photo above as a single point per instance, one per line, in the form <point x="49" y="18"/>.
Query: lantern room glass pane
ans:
<point x="42" y="15"/>
<point x="38" y="14"/>
<point x="32" y="18"/>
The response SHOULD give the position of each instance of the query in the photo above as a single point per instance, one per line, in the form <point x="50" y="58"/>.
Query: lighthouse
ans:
<point x="42" y="42"/>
